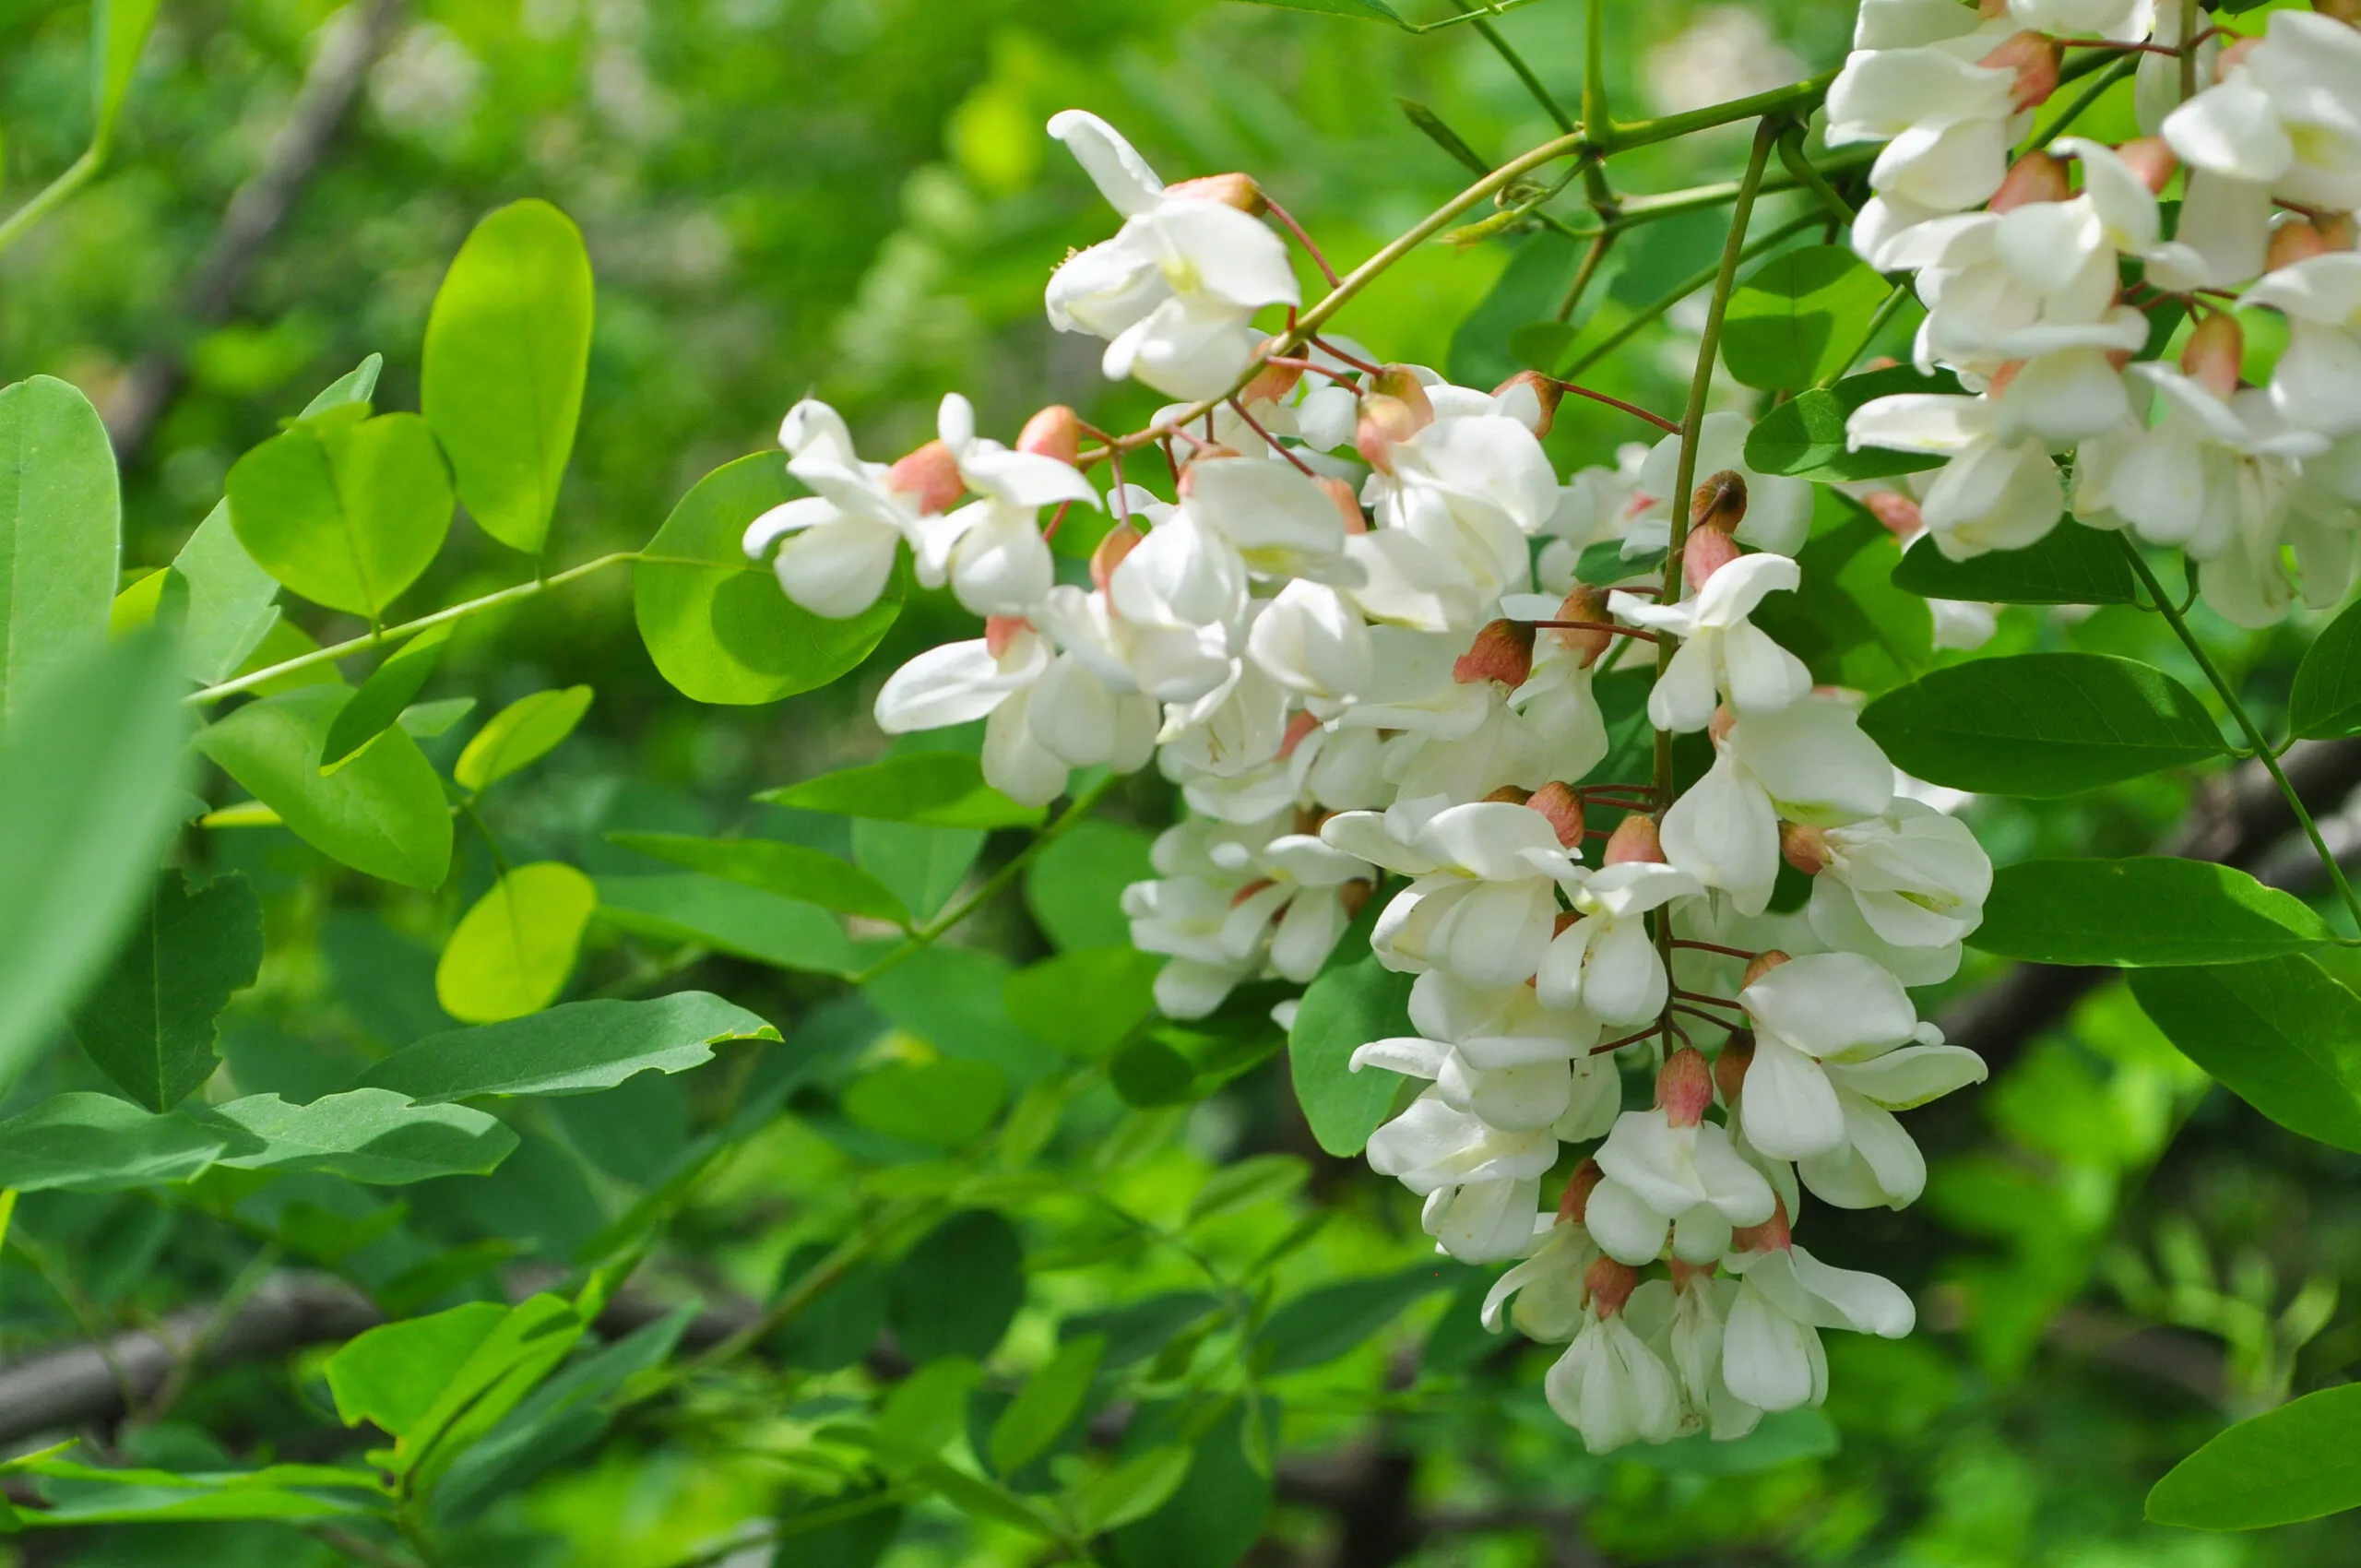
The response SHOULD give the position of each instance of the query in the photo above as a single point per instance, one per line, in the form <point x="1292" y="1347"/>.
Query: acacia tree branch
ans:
<point x="350" y="45"/>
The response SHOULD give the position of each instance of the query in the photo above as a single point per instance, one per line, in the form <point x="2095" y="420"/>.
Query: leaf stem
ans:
<point x="1886" y="311"/>
<point x="2262" y="748"/>
<point x="1670" y="128"/>
<point x="1596" y="115"/>
<point x="1791" y="155"/>
<point x="1600" y="244"/>
<point x="79" y="173"/>
<point x="1507" y="52"/>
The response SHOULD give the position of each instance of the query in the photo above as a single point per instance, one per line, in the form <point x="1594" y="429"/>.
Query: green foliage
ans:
<point x="1349" y="1004"/>
<point x="1805" y="435"/>
<point x="1047" y="1405"/>
<point x="118" y="30"/>
<point x="2287" y="1465"/>
<point x="1086" y="1002"/>
<point x="2141" y="913"/>
<point x="1322" y="1324"/>
<point x="2279" y="1033"/>
<point x="520" y="735"/>
<point x="790" y="871"/>
<point x="729" y="918"/>
<point x="391" y="688"/>
<point x="61" y="523"/>
<point x="230" y="600"/>
<point x="2070" y="565"/>
<point x="344" y="509"/>
<point x="2042" y="724"/>
<point x="575" y="1048"/>
<point x="957" y="1290"/>
<point x="1848" y="622"/>
<point x="150" y="1021"/>
<point x="2326" y="701"/>
<point x="507" y="350"/>
<point x="942" y="1103"/>
<point x="513" y="953"/>
<point x="1798" y="319"/>
<point x="924" y="789"/>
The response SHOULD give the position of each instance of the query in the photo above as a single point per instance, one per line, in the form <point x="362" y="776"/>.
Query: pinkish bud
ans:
<point x="2233" y="56"/>
<point x="1609" y="1285"/>
<point x="1772" y="1234"/>
<point x="1897" y="511"/>
<point x="2338" y="230"/>
<point x="1564" y="809"/>
<point x="2036" y="176"/>
<point x="1635" y="841"/>
<point x="2033" y="57"/>
<point x="1055" y="431"/>
<point x="1719" y="503"/>
<point x="1271" y="382"/>
<point x="1384" y="423"/>
<point x="2215" y="350"/>
<point x="1508" y="795"/>
<point x="930" y="474"/>
<point x="1804" y="848"/>
<point x="1575" y="1204"/>
<point x="1232" y="190"/>
<point x="1348" y="505"/>
<point x="1729" y="1067"/>
<point x="1684" y="1087"/>
<point x="2293" y="242"/>
<point x="1549" y="393"/>
<point x="1704" y="553"/>
<point x="1120" y="541"/>
<point x="1763" y="964"/>
<point x="1300" y="726"/>
<point x="2152" y="158"/>
<point x="1001" y="633"/>
<point x="1586" y="643"/>
<point x="1503" y="652"/>
<point x="1401" y="382"/>
<point x="1687" y="1276"/>
<point x="1718" y="728"/>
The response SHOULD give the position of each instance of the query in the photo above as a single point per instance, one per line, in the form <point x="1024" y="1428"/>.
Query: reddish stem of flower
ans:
<point x="1714" y="947"/>
<point x="1287" y="362"/>
<point x="1627" y="1039"/>
<point x="1701" y="996"/>
<point x="1632" y="409"/>
<point x="1326" y="347"/>
<point x="1701" y="1013"/>
<point x="1055" y="518"/>
<point x="1287" y="220"/>
<point x="1268" y="439"/>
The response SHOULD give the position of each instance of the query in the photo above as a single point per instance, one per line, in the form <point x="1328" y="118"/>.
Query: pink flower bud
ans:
<point x="1635" y="841"/>
<point x="1120" y="541"/>
<point x="2033" y="57"/>
<point x="2291" y="242"/>
<point x="1763" y="965"/>
<point x="2152" y="158"/>
<point x="1550" y="392"/>
<point x="1348" y="505"/>
<point x="1232" y="190"/>
<point x="1684" y="1087"/>
<point x="1609" y="1285"/>
<point x="1718" y="728"/>
<point x="1897" y="511"/>
<point x="1719" y="503"/>
<point x="1503" y="652"/>
<point x="1564" y="809"/>
<point x="1772" y="1234"/>
<point x="1055" y="431"/>
<point x="1271" y="382"/>
<point x="1729" y="1067"/>
<point x="1001" y="632"/>
<point x="1687" y="1276"/>
<point x="2036" y="176"/>
<point x="2215" y="350"/>
<point x="1576" y="1203"/>
<point x="1300" y="726"/>
<point x="1384" y="423"/>
<point x="1585" y="603"/>
<point x="1401" y="382"/>
<point x="1804" y="848"/>
<point x="1704" y="553"/>
<point x="930" y="474"/>
<point x="2337" y="230"/>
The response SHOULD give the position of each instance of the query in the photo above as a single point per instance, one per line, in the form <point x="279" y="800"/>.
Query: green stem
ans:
<point x="80" y="173"/>
<point x="926" y="935"/>
<point x="816" y="1282"/>
<point x="2262" y="751"/>
<point x="1493" y="8"/>
<point x="2090" y="95"/>
<point x="1687" y="287"/>
<point x="1596" y="116"/>
<point x="1507" y="52"/>
<point x="1884" y="312"/>
<point x="1600" y="244"/>
<point x="330" y="654"/>
<point x="1670" y="127"/>
<point x="1791" y="154"/>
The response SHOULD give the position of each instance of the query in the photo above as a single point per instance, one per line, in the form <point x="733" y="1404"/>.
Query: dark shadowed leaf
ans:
<point x="2279" y="1033"/>
<point x="149" y="1023"/>
<point x="575" y="1048"/>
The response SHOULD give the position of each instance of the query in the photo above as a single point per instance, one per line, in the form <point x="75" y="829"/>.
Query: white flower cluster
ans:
<point x="1354" y="643"/>
<point x="2022" y="269"/>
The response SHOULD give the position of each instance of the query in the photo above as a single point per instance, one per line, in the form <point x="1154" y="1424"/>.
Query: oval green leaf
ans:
<point x="149" y="1023"/>
<point x="383" y="813"/>
<point x="944" y="1102"/>
<point x="2279" y="1033"/>
<point x="507" y="350"/>
<point x="1804" y="436"/>
<point x="2156" y="911"/>
<point x="343" y="510"/>
<point x="520" y="735"/>
<point x="716" y="623"/>
<point x="2042" y="725"/>
<point x="2298" y="1462"/>
<point x="1343" y="1010"/>
<point x="729" y="918"/>
<point x="791" y="870"/>
<point x="61" y="525"/>
<point x="575" y="1048"/>
<point x="1047" y="1405"/>
<point x="2326" y="701"/>
<point x="934" y="789"/>
<point x="231" y="606"/>
<point x="1086" y="1002"/>
<point x="1796" y="319"/>
<point x="513" y="953"/>
<point x="2070" y="565"/>
<point x="383" y="697"/>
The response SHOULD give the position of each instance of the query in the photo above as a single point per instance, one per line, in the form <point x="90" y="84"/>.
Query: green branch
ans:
<point x="80" y="173"/>
<point x="1525" y="73"/>
<point x="1687" y="287"/>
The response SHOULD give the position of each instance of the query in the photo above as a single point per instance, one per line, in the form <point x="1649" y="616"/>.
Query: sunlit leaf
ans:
<point x="574" y="1048"/>
<point x="343" y="510"/>
<point x="2141" y="913"/>
<point x="513" y="953"/>
<point x="520" y="735"/>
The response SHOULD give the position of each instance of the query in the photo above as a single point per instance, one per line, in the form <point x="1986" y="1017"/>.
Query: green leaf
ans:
<point x="513" y="953"/>
<point x="1075" y="886"/>
<point x="1369" y="10"/>
<point x="95" y="1143"/>
<point x="1805" y="435"/>
<point x="2298" y="1462"/>
<point x="507" y="348"/>
<point x="922" y="865"/>
<point x="345" y="511"/>
<point x="61" y="527"/>
<point x="1324" y="1324"/>
<point x="2326" y="701"/>
<point x="383" y="812"/>
<point x="943" y="1103"/>
<point x="2070" y="565"/>
<point x="427" y="719"/>
<point x="434" y="1383"/>
<point x="520" y="735"/>
<point x="972" y="1495"/>
<point x="791" y="870"/>
<point x="1086" y="1002"/>
<point x="1342" y="1010"/>
<point x="1223" y="1503"/>
<point x="729" y="918"/>
<point x="931" y="788"/>
<point x="2279" y="1033"/>
<point x="957" y="1290"/>
<point x="853" y="1528"/>
<point x="118" y="31"/>
<point x="149" y="1023"/>
<point x="1047" y="1405"/>
<point x="389" y="1375"/>
<point x="232" y="601"/>
<point x="1797" y="317"/>
<point x="716" y="623"/>
<point x="92" y="785"/>
<point x="2042" y="724"/>
<point x="383" y="697"/>
<point x="2155" y="911"/>
<point x="574" y="1048"/>
<point x="1431" y="126"/>
<point x="358" y="384"/>
<point x="1133" y="1490"/>
<point x="372" y="1135"/>
<point x="955" y="999"/>
<point x="1848" y="622"/>
<point x="155" y="598"/>
<point x="1251" y="1180"/>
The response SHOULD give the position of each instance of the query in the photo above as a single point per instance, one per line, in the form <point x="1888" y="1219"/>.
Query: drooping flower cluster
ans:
<point x="1356" y="642"/>
<point x="2022" y="265"/>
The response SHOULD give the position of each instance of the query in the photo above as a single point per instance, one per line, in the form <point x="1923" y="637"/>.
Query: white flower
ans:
<point x="1947" y="120"/>
<point x="1996" y="492"/>
<point x="1234" y="900"/>
<point x="1480" y="1182"/>
<point x="2286" y="117"/>
<point x="1778" y="509"/>
<point x="840" y="540"/>
<point x="1685" y="1180"/>
<point x="1916" y="877"/>
<point x="1547" y="1287"/>
<point x="2316" y="383"/>
<point x="1484" y="901"/>
<point x="1609" y="1387"/>
<point x="1606" y="962"/>
<point x="991" y="551"/>
<point x="1310" y="639"/>
<point x="1696" y="1306"/>
<point x="1472" y="487"/>
<point x="1721" y="651"/>
<point x="1175" y="290"/>
<point x="1500" y="1056"/>
<point x="2125" y="21"/>
<point x="1771" y="1357"/>
<point x="1808" y="762"/>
